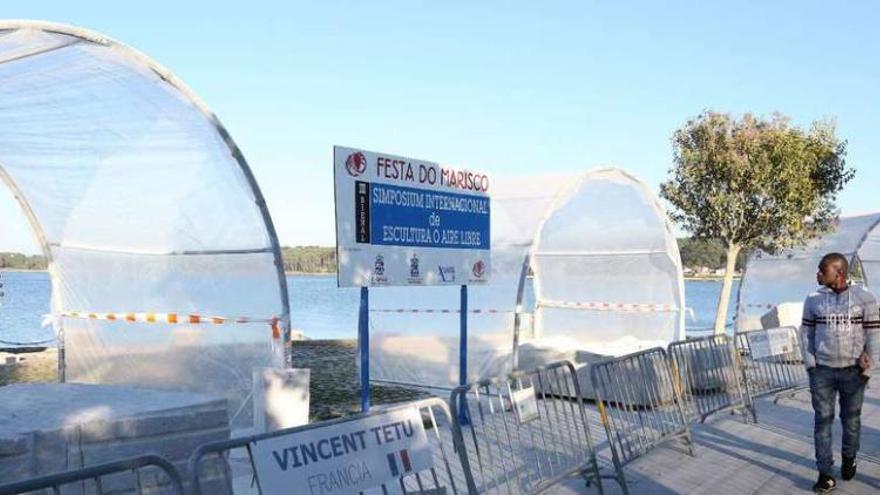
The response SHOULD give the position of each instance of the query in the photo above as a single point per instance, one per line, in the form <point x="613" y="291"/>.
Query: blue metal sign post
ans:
<point x="364" y="347"/>
<point x="462" y="349"/>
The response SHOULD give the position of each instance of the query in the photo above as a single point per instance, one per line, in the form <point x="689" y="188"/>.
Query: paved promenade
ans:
<point x="773" y="456"/>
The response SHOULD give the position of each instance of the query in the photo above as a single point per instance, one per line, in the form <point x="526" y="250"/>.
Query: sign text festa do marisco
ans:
<point x="401" y="221"/>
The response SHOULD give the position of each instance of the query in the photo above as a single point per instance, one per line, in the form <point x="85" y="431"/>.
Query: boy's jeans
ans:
<point x="825" y="384"/>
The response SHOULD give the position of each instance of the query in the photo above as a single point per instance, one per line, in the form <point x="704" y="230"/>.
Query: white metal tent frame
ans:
<point x="561" y="197"/>
<point x="81" y="35"/>
<point x="807" y="257"/>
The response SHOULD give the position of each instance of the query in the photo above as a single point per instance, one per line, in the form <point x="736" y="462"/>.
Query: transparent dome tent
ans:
<point x="606" y="280"/>
<point x="165" y="267"/>
<point x="788" y="277"/>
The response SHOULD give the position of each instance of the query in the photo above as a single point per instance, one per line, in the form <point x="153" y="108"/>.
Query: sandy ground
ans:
<point x="334" y="390"/>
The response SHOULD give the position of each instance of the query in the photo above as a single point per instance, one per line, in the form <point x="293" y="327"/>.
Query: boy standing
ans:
<point x="841" y="340"/>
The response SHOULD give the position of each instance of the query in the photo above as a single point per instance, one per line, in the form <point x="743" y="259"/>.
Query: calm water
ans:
<point x="319" y="308"/>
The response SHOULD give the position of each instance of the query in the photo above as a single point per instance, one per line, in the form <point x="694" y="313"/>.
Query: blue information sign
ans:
<point x="405" y="216"/>
<point x="402" y="221"/>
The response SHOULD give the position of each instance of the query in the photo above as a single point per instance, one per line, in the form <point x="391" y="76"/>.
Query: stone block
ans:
<point x="281" y="398"/>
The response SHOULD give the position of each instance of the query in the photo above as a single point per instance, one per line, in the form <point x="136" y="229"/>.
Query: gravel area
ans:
<point x="335" y="388"/>
<point x="31" y="367"/>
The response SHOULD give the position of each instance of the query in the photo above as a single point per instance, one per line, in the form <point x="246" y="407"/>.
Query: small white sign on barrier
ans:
<point x="346" y="457"/>
<point x="771" y="342"/>
<point x="525" y="404"/>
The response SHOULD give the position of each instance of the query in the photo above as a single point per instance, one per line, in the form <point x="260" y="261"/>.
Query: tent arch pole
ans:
<point x="524" y="271"/>
<point x="40" y="235"/>
<point x="190" y="96"/>
<point x="28" y="212"/>
<point x="564" y="193"/>
<point x="682" y="296"/>
<point x="517" y="315"/>
<point x="856" y="258"/>
<point x="859" y="248"/>
<point x="676" y="260"/>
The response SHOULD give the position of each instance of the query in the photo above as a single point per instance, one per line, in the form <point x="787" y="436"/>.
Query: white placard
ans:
<point x="526" y="405"/>
<point x="347" y="457"/>
<point x="770" y="342"/>
<point x="402" y="221"/>
<point x="281" y="398"/>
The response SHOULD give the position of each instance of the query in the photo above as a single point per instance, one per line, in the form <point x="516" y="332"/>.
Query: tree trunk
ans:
<point x="724" y="298"/>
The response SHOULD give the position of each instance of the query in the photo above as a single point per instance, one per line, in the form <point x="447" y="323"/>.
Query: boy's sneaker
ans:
<point x="848" y="468"/>
<point x="825" y="484"/>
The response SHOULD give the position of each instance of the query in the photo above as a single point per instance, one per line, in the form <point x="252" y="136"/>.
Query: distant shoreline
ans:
<point x="33" y="270"/>
<point x="711" y="278"/>
<point x="703" y="278"/>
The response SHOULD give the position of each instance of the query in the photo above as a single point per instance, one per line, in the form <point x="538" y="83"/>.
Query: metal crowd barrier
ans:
<point x="524" y="432"/>
<point x="148" y="474"/>
<point x="709" y="377"/>
<point x="640" y="406"/>
<point x="783" y="374"/>
<point x="228" y="466"/>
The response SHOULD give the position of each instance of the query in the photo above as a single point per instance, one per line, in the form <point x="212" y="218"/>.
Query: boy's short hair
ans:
<point x="834" y="258"/>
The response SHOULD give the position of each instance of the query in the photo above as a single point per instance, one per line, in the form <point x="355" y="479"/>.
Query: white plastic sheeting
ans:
<point x="142" y="203"/>
<point x="607" y="280"/>
<point x="770" y="280"/>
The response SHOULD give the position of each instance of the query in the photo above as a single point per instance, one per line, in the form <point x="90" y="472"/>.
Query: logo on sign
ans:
<point x="414" y="266"/>
<point x="379" y="277"/>
<point x="479" y="269"/>
<point x="447" y="273"/>
<point x="356" y="164"/>
<point x="379" y="266"/>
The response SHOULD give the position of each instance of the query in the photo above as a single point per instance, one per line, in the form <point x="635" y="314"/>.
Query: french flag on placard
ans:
<point x="399" y="463"/>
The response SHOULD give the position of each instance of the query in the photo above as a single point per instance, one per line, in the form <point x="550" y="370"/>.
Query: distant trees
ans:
<point x="302" y="259"/>
<point x="754" y="183"/>
<point x="709" y="253"/>
<point x="18" y="261"/>
<point x="309" y="259"/>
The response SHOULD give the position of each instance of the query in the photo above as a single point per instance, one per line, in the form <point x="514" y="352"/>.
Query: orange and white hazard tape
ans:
<point x="431" y="310"/>
<point x="172" y="318"/>
<point x="629" y="307"/>
<point x="616" y="307"/>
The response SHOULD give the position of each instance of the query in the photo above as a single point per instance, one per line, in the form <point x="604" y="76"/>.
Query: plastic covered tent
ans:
<point x="165" y="267"/>
<point x="607" y="280"/>
<point x="770" y="280"/>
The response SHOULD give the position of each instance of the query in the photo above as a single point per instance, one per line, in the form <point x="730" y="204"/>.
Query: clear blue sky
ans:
<point x="505" y="87"/>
